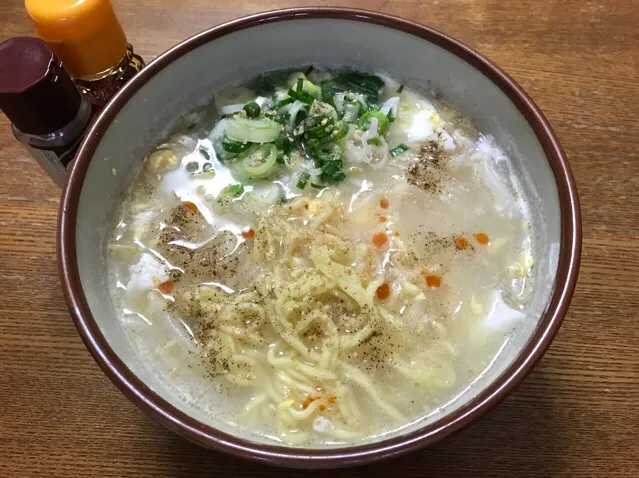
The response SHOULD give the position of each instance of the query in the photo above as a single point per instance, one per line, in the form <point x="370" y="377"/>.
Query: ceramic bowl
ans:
<point x="183" y="77"/>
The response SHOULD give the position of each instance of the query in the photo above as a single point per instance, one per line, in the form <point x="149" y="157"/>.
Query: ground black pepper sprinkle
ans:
<point x="428" y="172"/>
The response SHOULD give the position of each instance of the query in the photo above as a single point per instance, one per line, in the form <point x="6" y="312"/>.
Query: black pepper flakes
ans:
<point x="428" y="172"/>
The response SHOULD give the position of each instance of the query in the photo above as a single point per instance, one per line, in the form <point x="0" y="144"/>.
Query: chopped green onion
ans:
<point x="308" y="70"/>
<point x="376" y="141"/>
<point x="205" y="153"/>
<point x="233" y="146"/>
<point x="207" y="167"/>
<point x="306" y="87"/>
<point x="321" y="130"/>
<point x="351" y="112"/>
<point x="252" y="130"/>
<point x="326" y="88"/>
<point x="383" y="122"/>
<point x="324" y="157"/>
<point x="340" y="130"/>
<point x="284" y="102"/>
<point x="284" y="144"/>
<point x="338" y="177"/>
<point x="399" y="149"/>
<point x="317" y="186"/>
<point x="304" y="177"/>
<point x="366" y="85"/>
<point x="282" y="117"/>
<point x="192" y="166"/>
<point x="234" y="190"/>
<point x="400" y="89"/>
<point x="259" y="161"/>
<point x="390" y="116"/>
<point x="301" y="95"/>
<point x="330" y="168"/>
<point x="252" y="109"/>
<point x="281" y="155"/>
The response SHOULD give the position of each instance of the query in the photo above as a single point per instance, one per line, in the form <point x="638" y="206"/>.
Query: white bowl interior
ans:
<point x="188" y="81"/>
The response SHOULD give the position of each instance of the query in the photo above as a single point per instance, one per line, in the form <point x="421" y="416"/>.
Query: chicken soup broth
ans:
<point x="321" y="257"/>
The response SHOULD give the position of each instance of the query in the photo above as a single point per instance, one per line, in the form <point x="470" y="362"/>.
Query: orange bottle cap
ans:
<point x="85" y="34"/>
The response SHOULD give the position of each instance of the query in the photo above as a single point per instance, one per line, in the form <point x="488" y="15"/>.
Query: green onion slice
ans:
<point x="321" y="130"/>
<point x="252" y="109"/>
<point x="233" y="146"/>
<point x="301" y="183"/>
<point x="249" y="130"/>
<point x="284" y="102"/>
<point x="341" y="130"/>
<point x="399" y="149"/>
<point x="234" y="190"/>
<point x="383" y="122"/>
<point x="259" y="161"/>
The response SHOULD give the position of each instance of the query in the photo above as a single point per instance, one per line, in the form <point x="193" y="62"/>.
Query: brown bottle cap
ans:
<point x="36" y="93"/>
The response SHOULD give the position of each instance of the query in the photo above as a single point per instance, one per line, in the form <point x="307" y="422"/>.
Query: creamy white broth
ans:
<point x="330" y="314"/>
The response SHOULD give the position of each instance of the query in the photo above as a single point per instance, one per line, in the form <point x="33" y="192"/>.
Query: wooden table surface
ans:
<point x="576" y="415"/>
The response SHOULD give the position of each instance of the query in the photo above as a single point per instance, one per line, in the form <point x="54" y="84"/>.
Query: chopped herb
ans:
<point x="330" y="168"/>
<point x="284" y="144"/>
<point x="234" y="190"/>
<point x="382" y="121"/>
<point x="284" y="102"/>
<point x="390" y="116"/>
<point x="309" y="70"/>
<point x="233" y="146"/>
<point x="282" y="117"/>
<point x="205" y="153"/>
<point x="252" y="109"/>
<point x="281" y="157"/>
<point x="376" y="141"/>
<point x="317" y="186"/>
<point x="300" y="94"/>
<point x="327" y="90"/>
<point x="304" y="177"/>
<point x="321" y="130"/>
<point x="399" y="149"/>
<point x="400" y="89"/>
<point x="338" y="177"/>
<point x="340" y="130"/>
<point x="367" y="85"/>
<point x="192" y="166"/>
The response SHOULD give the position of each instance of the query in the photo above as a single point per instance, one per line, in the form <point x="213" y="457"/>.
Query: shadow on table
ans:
<point x="518" y="438"/>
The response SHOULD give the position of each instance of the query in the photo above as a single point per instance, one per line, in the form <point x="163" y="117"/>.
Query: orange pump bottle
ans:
<point x="88" y="38"/>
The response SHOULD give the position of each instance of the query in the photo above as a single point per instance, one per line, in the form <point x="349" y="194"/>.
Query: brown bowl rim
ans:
<point x="212" y="438"/>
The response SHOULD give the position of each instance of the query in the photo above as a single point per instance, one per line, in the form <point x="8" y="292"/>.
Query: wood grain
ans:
<point x="576" y="415"/>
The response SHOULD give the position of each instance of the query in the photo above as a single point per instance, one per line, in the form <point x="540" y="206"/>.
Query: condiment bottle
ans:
<point x="87" y="36"/>
<point x="47" y="113"/>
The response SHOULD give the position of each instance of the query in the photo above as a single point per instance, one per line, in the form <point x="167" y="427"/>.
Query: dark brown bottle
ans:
<point x="47" y="113"/>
